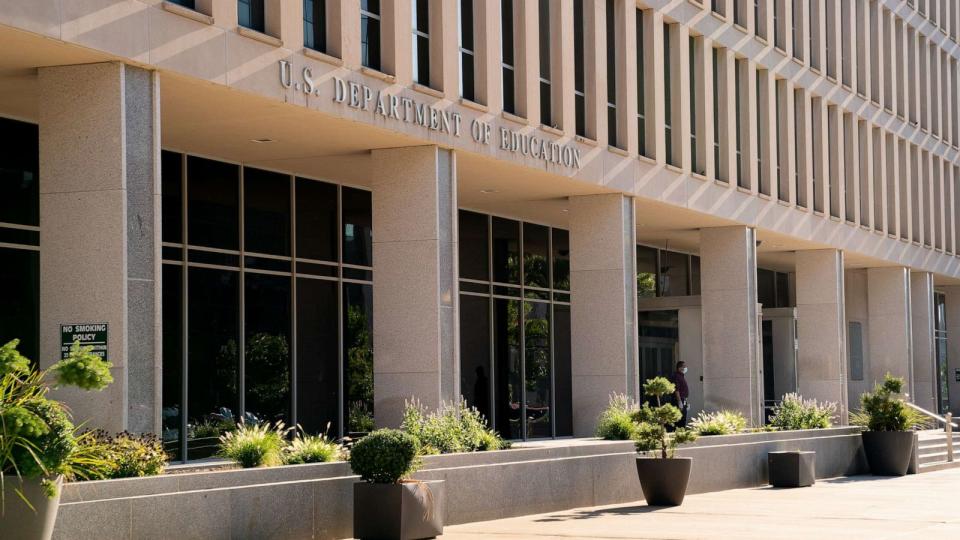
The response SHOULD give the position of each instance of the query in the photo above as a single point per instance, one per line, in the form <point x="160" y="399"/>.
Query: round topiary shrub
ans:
<point x="385" y="456"/>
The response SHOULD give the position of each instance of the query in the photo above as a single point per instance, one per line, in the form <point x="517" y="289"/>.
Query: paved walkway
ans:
<point x="923" y="506"/>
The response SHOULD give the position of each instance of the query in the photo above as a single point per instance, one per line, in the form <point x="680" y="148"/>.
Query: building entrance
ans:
<point x="779" y="350"/>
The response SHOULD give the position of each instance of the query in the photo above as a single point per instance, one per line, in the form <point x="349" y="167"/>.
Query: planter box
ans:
<point x="889" y="452"/>
<point x="406" y="511"/>
<point x="791" y="469"/>
<point x="664" y="481"/>
<point x="20" y="522"/>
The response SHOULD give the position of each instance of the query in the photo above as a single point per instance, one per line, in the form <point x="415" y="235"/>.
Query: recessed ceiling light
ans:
<point x="488" y="191"/>
<point x="262" y="141"/>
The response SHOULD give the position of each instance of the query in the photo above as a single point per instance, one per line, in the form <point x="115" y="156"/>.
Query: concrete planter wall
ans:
<point x="316" y="501"/>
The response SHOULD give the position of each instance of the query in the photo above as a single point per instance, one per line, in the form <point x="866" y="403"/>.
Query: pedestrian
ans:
<point x="681" y="393"/>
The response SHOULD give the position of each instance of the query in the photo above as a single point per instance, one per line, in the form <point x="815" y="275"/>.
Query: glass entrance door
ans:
<point x="940" y="350"/>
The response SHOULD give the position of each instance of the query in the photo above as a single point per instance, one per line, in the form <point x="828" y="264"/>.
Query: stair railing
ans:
<point x="948" y="425"/>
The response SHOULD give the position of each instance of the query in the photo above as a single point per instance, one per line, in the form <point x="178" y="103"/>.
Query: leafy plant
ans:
<point x="385" y="456"/>
<point x="616" y="422"/>
<point x="652" y="433"/>
<point x="794" y="412"/>
<point x="126" y="454"/>
<point x="306" y="448"/>
<point x="452" y="428"/>
<point x="254" y="445"/>
<point x="880" y="410"/>
<point x="719" y="423"/>
<point x="37" y="438"/>
<point x="359" y="417"/>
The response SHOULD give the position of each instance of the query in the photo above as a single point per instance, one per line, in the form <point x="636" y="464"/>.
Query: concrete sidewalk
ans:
<point x="923" y="506"/>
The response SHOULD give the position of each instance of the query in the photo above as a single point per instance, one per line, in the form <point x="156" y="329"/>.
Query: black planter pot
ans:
<point x="888" y="452"/>
<point x="406" y="511"/>
<point x="664" y="481"/>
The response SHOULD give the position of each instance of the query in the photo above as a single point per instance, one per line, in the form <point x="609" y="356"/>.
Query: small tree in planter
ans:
<point x="386" y="504"/>
<point x="889" y="439"/>
<point x="664" y="478"/>
<point x="39" y="445"/>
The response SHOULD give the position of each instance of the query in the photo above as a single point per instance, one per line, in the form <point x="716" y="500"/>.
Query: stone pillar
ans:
<point x="924" y="354"/>
<point x="953" y="345"/>
<point x="603" y="285"/>
<point x="888" y="313"/>
<point x="100" y="240"/>
<point x="731" y="360"/>
<point x="414" y="287"/>
<point x="821" y="328"/>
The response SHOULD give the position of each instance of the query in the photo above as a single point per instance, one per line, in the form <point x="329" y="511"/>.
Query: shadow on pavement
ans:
<point x="590" y="514"/>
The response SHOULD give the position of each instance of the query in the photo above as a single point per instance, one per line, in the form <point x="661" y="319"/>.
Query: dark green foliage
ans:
<point x="616" y="422"/>
<point x="451" y="429"/>
<point x="652" y="434"/>
<point x="55" y="443"/>
<point x="254" y="445"/>
<point x="880" y="410"/>
<point x="126" y="454"/>
<point x="385" y="456"/>
<point x="83" y="369"/>
<point x="11" y="361"/>
<point x="794" y="412"/>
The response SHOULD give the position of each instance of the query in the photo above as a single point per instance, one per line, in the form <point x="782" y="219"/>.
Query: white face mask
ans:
<point x="683" y="370"/>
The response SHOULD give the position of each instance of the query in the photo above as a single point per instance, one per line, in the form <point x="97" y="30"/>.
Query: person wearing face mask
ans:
<point x="682" y="392"/>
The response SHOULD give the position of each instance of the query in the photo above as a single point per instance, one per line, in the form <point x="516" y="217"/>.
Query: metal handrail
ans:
<point x="948" y="425"/>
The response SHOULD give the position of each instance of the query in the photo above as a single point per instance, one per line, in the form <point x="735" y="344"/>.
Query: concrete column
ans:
<point x="821" y="327"/>
<point x="924" y="354"/>
<point x="100" y="209"/>
<point x="728" y="277"/>
<point x="953" y="345"/>
<point x="888" y="312"/>
<point x="604" y="304"/>
<point x="415" y="291"/>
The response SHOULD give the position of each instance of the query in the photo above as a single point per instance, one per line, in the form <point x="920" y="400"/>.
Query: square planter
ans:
<point x="405" y="511"/>
<point x="792" y="469"/>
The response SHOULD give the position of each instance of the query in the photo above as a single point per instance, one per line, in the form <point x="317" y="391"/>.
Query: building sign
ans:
<point x="407" y="110"/>
<point x="88" y="334"/>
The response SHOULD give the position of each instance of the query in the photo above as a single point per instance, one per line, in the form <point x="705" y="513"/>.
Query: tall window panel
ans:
<point x="467" y="50"/>
<point x="271" y="325"/>
<point x="815" y="22"/>
<point x="760" y="18"/>
<point x="507" y="52"/>
<point x="715" y="60"/>
<point x="800" y="145"/>
<point x="579" y="73"/>
<point x="515" y="325"/>
<point x="695" y="162"/>
<point x="315" y="24"/>
<point x="611" y="42"/>
<point x="739" y="110"/>
<point x="763" y="132"/>
<point x="668" y="96"/>
<point x="20" y="236"/>
<point x="421" y="41"/>
<point x="662" y="272"/>
<point x="641" y="86"/>
<point x="250" y="14"/>
<point x="780" y="137"/>
<point x="818" y="132"/>
<point x="543" y="45"/>
<point x="796" y="33"/>
<point x="370" y="33"/>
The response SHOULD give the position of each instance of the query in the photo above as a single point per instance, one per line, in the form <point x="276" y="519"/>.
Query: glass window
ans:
<point x="213" y="301"/>
<point x="546" y="107"/>
<point x="537" y="369"/>
<point x="20" y="283"/>
<point x="646" y="272"/>
<point x="421" y="42"/>
<point x="19" y="170"/>
<point x="185" y="3"/>
<point x="579" y="80"/>
<point x="673" y="273"/>
<point x="317" y="220"/>
<point x="171" y="188"/>
<point x="475" y="352"/>
<point x="213" y="202"/>
<point x="315" y="24"/>
<point x="668" y="95"/>
<point x="561" y="259"/>
<point x="266" y="201"/>
<point x="370" y="33"/>
<point x="611" y="37"/>
<point x="507" y="357"/>
<point x="563" y="373"/>
<point x="172" y="387"/>
<point x="659" y="342"/>
<point x="318" y="350"/>
<point x="536" y="255"/>
<point x="855" y="336"/>
<point x="506" y="250"/>
<point x="267" y="347"/>
<point x="641" y="87"/>
<point x="467" y="75"/>
<point x="719" y="175"/>
<point x="474" y="246"/>
<point x="250" y="14"/>
<point x="694" y="275"/>
<point x="358" y="357"/>
<point x="766" y="288"/>
<point x="507" y="53"/>
<point x="357" y="226"/>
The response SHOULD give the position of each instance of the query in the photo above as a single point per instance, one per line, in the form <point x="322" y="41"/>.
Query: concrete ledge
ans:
<point x="316" y="500"/>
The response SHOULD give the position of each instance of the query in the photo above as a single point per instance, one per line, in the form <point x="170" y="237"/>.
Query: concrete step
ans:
<point x="938" y="466"/>
<point x="933" y="457"/>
